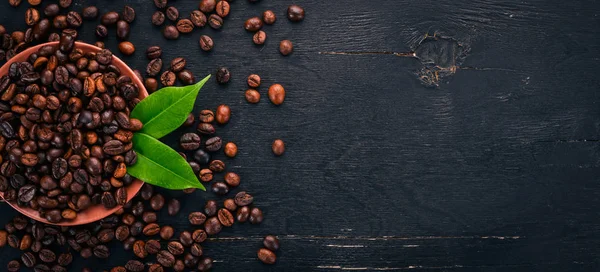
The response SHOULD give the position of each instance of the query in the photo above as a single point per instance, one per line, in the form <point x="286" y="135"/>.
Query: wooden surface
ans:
<point x="493" y="169"/>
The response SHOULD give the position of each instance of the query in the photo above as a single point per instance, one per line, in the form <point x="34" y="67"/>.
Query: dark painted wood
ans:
<point x="495" y="169"/>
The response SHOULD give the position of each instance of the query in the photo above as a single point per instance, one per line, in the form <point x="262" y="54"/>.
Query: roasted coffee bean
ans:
<point x="178" y="64"/>
<point x="152" y="246"/>
<point x="69" y="214"/>
<point x="190" y="260"/>
<point x="230" y="149"/>
<point x="151" y="229"/>
<point x="106" y="235"/>
<point x="128" y="14"/>
<point x="253" y="81"/>
<point x="108" y="200"/>
<point x="206" y="175"/>
<point x="155" y="268"/>
<point x="154" y="67"/>
<point x="217" y="166"/>
<point x="135" y="266"/>
<point x="278" y="147"/>
<point x="266" y="256"/>
<point x="243" y="199"/>
<point x="51" y="10"/>
<point x="161" y="4"/>
<point x="213" y="145"/>
<point x="173" y="207"/>
<point x="101" y="251"/>
<point x="165" y="258"/>
<point x="271" y="242"/>
<point x="90" y="12"/>
<point x="127" y="48"/>
<point x="110" y="18"/>
<point x="199" y="236"/>
<point x="206" y="128"/>
<point x="158" y="18"/>
<point x="171" y="33"/>
<point x="65" y="3"/>
<point x="223" y="114"/>
<point x="198" y="18"/>
<point x="113" y="147"/>
<point x="295" y="13"/>
<point x="13" y="266"/>
<point x="190" y="141"/>
<point x="206" y="43"/>
<point x="253" y="24"/>
<point x="205" y="264"/>
<point x="185" y="238"/>
<point x="223" y="75"/>
<point x="189" y="121"/>
<point x="223" y="8"/>
<point x="197" y="218"/>
<point x="122" y="232"/>
<point x="256" y="216"/>
<point x="230" y="205"/>
<point x="168" y="78"/>
<point x="28" y="259"/>
<point x="259" y="37"/>
<point x="212" y="226"/>
<point x="136" y="229"/>
<point x="26" y="193"/>
<point x="32" y="16"/>
<point x="210" y="208"/>
<point x="157" y="202"/>
<point x="122" y="30"/>
<point x="151" y="84"/>
<point x="74" y="19"/>
<point x="139" y="249"/>
<point x="269" y="17"/>
<point x="286" y="47"/>
<point x="215" y="21"/>
<point x="149" y="217"/>
<point x="118" y="269"/>
<point x="60" y="22"/>
<point x="207" y="6"/>
<point x="225" y="217"/>
<point x="219" y="188"/>
<point x="175" y="247"/>
<point x="242" y="214"/>
<point x="154" y="52"/>
<point x="65" y="259"/>
<point x="172" y="13"/>
<point x="13" y="241"/>
<point x="166" y="232"/>
<point x="26" y="242"/>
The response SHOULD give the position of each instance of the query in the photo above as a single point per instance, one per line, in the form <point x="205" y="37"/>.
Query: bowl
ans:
<point x="95" y="212"/>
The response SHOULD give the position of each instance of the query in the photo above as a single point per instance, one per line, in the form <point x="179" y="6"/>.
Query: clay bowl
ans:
<point x="97" y="212"/>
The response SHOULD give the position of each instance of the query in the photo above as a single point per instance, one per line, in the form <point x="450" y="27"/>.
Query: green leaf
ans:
<point x="166" y="109"/>
<point x="160" y="165"/>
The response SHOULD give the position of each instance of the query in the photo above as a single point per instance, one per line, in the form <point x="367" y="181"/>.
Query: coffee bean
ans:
<point x="32" y="16"/>
<point x="199" y="236"/>
<point x="90" y="12"/>
<point x="155" y="268"/>
<point x="13" y="266"/>
<point x="101" y="252"/>
<point x="223" y="114"/>
<point x="173" y="207"/>
<point x="28" y="259"/>
<point x="135" y="266"/>
<point x="154" y="67"/>
<point x="128" y="14"/>
<point x="215" y="21"/>
<point x="122" y="232"/>
<point x="197" y="218"/>
<point x="256" y="216"/>
<point x="217" y="166"/>
<point x="65" y="3"/>
<point x="185" y="238"/>
<point x="161" y="4"/>
<point x="190" y="141"/>
<point x="269" y="17"/>
<point x="166" y="232"/>
<point x="106" y="235"/>
<point x="26" y="242"/>
<point x="230" y="205"/>
<point x="26" y="193"/>
<point x="121" y="196"/>
<point x="206" y="175"/>
<point x="74" y="19"/>
<point x="295" y="13"/>
<point x="266" y="256"/>
<point x="185" y="26"/>
<point x="278" y="147"/>
<point x="175" y="247"/>
<point x="286" y="47"/>
<point x="157" y="202"/>
<point x="243" y="199"/>
<point x="222" y="8"/>
<point x="213" y="144"/>
<point x="171" y="33"/>
<point x="225" y="217"/>
<point x="253" y="81"/>
<point x="212" y="226"/>
<point x="205" y="264"/>
<point x="220" y="188"/>
<point x="232" y="179"/>
<point x="139" y="249"/>
<point x="253" y="24"/>
<point x="122" y="30"/>
<point x="158" y="18"/>
<point x="167" y="78"/>
<point x="206" y="128"/>
<point x="210" y="209"/>
<point x="223" y="75"/>
<point x="152" y="246"/>
<point x="206" y="43"/>
<point x="153" y="52"/>
<point x="151" y="229"/>
<point x="195" y="166"/>
<point x="198" y="18"/>
<point x="127" y="48"/>
<point x="151" y="84"/>
<point x="271" y="242"/>
<point x="69" y="214"/>
<point x="165" y="258"/>
<point x="190" y="260"/>
<point x="149" y="217"/>
<point x="108" y="200"/>
<point x="110" y="18"/>
<point x="118" y="269"/>
<point x="259" y="37"/>
<point x="172" y="13"/>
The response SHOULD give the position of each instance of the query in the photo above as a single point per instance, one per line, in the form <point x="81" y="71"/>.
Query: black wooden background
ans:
<point x="495" y="169"/>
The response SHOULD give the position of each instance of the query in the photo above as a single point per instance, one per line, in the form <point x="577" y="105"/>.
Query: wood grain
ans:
<point x="495" y="169"/>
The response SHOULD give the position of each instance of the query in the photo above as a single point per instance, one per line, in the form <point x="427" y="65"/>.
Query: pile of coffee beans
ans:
<point x="65" y="140"/>
<point x="65" y="131"/>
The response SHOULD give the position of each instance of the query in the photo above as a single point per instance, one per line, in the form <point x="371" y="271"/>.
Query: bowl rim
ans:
<point x="94" y="212"/>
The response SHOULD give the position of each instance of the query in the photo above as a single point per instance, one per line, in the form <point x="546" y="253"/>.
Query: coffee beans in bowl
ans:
<point x="65" y="131"/>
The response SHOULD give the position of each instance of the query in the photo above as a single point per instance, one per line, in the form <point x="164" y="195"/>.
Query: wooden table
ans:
<point x="444" y="135"/>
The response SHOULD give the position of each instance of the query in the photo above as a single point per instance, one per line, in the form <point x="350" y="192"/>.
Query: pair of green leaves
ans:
<point x="161" y="113"/>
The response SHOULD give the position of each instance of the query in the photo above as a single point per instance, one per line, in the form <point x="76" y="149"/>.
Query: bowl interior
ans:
<point x="96" y="212"/>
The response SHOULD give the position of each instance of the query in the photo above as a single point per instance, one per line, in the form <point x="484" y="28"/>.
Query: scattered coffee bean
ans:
<point x="158" y="18"/>
<point x="213" y="144"/>
<point x="207" y="6"/>
<point x="173" y="207"/>
<point x="295" y="13"/>
<point x="253" y="24"/>
<point x="266" y="256"/>
<point x="276" y="94"/>
<point x="225" y="217"/>
<point x="128" y="14"/>
<point x="231" y="149"/>
<point x="219" y="188"/>
<point x="230" y="205"/>
<point x="88" y="13"/>
<point x="278" y="147"/>
<point x="201" y="156"/>
<point x="126" y="48"/>
<point x="271" y="243"/>
<point x="185" y="26"/>
<point x="286" y="47"/>
<point x="252" y="96"/>
<point x="171" y="33"/>
<point x="253" y="81"/>
<point x="259" y="37"/>
<point x="198" y="18"/>
<point x="212" y="226"/>
<point x="256" y="216"/>
<point x="197" y="218"/>
<point x="215" y="21"/>
<point x="222" y="8"/>
<point x="123" y="30"/>
<point x="205" y="264"/>
<point x="269" y="17"/>
<point x="223" y="114"/>
<point x="172" y="13"/>
<point x="110" y="18"/>
<point x="190" y="141"/>
<point x="232" y="179"/>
